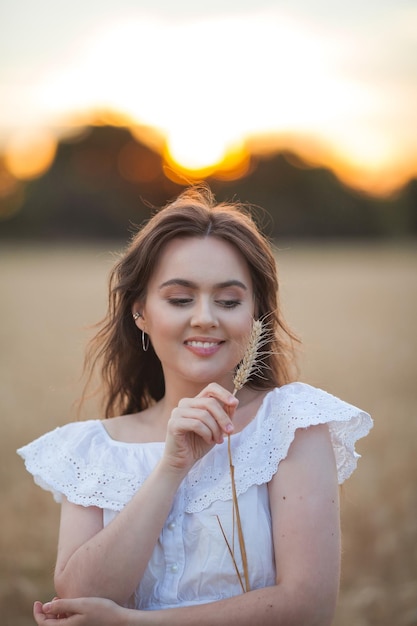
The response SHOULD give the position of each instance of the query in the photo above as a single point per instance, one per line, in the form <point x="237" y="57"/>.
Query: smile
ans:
<point x="202" y="344"/>
<point x="203" y="347"/>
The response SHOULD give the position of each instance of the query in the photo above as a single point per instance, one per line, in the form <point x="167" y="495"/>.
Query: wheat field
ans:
<point x="355" y="307"/>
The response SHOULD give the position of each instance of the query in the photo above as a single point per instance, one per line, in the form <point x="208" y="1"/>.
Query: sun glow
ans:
<point x="207" y="85"/>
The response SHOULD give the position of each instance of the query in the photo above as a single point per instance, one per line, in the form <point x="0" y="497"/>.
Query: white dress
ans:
<point x="82" y="462"/>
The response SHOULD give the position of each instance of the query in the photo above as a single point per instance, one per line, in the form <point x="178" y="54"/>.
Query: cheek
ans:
<point x="158" y="332"/>
<point x="161" y="337"/>
<point x="163" y="323"/>
<point x="242" y="330"/>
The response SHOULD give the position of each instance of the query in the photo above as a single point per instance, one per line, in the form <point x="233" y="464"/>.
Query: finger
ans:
<point x="208" y="412"/>
<point x="58" y="608"/>
<point x="222" y="411"/>
<point x="38" y="613"/>
<point x="198" y="423"/>
<point x="42" y="617"/>
<point x="214" y="390"/>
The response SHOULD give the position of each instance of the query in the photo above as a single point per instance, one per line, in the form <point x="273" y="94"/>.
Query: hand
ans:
<point x="79" y="612"/>
<point x="197" y="424"/>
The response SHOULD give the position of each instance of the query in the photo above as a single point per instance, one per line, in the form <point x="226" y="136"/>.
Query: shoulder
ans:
<point x="302" y="405"/>
<point x="73" y="433"/>
<point x="287" y="409"/>
<point x="60" y="453"/>
<point x="311" y="447"/>
<point x="83" y="463"/>
<point x="309" y="466"/>
<point x="301" y="394"/>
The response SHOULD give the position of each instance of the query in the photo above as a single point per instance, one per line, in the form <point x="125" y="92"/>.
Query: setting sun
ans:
<point x="215" y="82"/>
<point x="209" y="85"/>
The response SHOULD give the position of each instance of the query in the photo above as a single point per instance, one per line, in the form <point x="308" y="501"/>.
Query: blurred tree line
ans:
<point x="107" y="182"/>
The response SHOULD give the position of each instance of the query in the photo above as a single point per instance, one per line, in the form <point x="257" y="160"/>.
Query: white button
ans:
<point x="174" y="568"/>
<point x="171" y="525"/>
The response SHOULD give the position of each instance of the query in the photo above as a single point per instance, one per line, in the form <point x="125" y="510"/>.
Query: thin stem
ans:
<point x="238" y="521"/>
<point x="231" y="553"/>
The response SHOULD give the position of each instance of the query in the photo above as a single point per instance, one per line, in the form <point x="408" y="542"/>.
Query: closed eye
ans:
<point x="229" y="304"/>
<point x="179" y="301"/>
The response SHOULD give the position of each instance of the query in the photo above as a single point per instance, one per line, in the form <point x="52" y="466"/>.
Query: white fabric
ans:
<point x="82" y="462"/>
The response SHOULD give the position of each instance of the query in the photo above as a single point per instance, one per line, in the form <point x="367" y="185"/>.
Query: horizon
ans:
<point x="336" y="87"/>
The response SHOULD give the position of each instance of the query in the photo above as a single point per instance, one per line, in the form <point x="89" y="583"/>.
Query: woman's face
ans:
<point x="198" y="310"/>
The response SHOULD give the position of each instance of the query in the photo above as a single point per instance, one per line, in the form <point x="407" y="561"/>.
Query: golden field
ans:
<point x="355" y="307"/>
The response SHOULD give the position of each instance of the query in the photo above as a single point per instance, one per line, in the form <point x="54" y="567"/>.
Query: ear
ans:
<point x="137" y="314"/>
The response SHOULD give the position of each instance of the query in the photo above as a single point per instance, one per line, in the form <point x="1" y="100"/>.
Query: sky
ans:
<point x="335" y="81"/>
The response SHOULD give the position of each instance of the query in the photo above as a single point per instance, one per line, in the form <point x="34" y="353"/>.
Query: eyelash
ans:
<point x="229" y="304"/>
<point x="179" y="301"/>
<point x="226" y="304"/>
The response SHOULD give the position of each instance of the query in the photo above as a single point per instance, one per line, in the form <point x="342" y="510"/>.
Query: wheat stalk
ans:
<point x="243" y="373"/>
<point x="231" y="552"/>
<point x="250" y="359"/>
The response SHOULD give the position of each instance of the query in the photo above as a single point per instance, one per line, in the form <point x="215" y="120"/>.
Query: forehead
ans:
<point x="201" y="260"/>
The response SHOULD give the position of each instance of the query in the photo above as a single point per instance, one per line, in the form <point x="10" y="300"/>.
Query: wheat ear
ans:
<point x="243" y="373"/>
<point x="250" y="359"/>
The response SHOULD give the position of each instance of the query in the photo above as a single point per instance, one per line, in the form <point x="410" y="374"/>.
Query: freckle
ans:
<point x="284" y="497"/>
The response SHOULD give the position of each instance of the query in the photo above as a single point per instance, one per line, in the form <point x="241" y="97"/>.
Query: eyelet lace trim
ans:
<point x="79" y="460"/>
<point x="258" y="450"/>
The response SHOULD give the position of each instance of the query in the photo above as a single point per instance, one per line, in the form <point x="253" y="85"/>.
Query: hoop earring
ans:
<point x="145" y="341"/>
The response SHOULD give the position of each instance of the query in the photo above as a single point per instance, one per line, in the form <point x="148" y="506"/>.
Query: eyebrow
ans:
<point x="190" y="285"/>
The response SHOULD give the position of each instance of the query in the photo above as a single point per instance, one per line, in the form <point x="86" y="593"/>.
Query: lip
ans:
<point x="203" y="346"/>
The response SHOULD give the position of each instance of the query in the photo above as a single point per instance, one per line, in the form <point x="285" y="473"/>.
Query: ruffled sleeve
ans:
<point x="264" y="443"/>
<point x="299" y="405"/>
<point x="81" y="462"/>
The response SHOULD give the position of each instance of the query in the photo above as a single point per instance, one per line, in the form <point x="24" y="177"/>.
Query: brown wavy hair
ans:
<point x="131" y="379"/>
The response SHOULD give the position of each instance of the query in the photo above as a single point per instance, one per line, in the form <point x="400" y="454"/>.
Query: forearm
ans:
<point x="272" y="606"/>
<point x="112" y="562"/>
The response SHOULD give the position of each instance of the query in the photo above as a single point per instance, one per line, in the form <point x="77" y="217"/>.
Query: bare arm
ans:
<point x="306" y="527"/>
<point x="109" y="561"/>
<point x="305" y="511"/>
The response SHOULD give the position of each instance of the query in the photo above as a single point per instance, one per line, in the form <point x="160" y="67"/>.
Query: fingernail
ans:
<point x="229" y="428"/>
<point x="47" y="606"/>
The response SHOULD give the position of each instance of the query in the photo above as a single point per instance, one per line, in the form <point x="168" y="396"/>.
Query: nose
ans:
<point x="204" y="314"/>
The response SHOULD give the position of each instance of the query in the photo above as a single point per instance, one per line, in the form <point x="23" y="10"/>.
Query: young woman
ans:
<point x="148" y="530"/>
